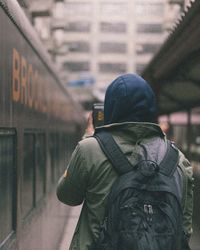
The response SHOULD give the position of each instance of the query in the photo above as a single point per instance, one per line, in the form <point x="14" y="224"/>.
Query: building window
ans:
<point x="149" y="8"/>
<point x="76" y="66"/>
<point x="112" y="67"/>
<point x="78" y="26"/>
<point x="109" y="47"/>
<point x="147" y="48"/>
<point x="149" y="28"/>
<point x="7" y="183"/>
<point x="113" y="27"/>
<point x="78" y="46"/>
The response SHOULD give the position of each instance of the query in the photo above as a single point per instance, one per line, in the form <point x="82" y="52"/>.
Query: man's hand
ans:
<point x="89" y="131"/>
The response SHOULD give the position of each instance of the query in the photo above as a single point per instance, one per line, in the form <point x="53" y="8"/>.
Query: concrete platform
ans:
<point x="70" y="227"/>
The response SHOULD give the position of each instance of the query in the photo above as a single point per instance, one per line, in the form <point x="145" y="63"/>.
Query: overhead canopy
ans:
<point x="174" y="73"/>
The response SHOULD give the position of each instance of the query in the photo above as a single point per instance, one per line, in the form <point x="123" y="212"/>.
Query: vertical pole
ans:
<point x="189" y="132"/>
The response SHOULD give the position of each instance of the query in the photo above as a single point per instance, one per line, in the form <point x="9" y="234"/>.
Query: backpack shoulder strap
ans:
<point x="113" y="152"/>
<point x="170" y="161"/>
<point x="122" y="165"/>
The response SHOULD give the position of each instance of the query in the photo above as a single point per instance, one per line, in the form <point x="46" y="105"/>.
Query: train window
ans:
<point x="7" y="183"/>
<point x="33" y="181"/>
<point x="28" y="174"/>
<point x="40" y="164"/>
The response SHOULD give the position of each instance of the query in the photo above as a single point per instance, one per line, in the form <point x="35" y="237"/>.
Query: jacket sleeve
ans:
<point x="72" y="184"/>
<point x="187" y="200"/>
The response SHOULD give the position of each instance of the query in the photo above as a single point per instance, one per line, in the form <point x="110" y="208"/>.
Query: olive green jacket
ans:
<point x="89" y="178"/>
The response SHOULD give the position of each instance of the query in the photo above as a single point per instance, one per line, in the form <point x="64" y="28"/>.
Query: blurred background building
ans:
<point x="93" y="41"/>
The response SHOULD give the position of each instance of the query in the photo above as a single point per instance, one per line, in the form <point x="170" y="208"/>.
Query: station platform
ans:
<point x="70" y="227"/>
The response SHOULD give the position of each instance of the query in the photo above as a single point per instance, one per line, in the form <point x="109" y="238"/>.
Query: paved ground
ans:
<point x="195" y="240"/>
<point x="69" y="230"/>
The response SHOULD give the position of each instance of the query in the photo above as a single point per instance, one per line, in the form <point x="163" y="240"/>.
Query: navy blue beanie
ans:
<point x="129" y="98"/>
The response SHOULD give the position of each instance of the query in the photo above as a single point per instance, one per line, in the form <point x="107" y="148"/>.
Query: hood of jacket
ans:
<point x="129" y="98"/>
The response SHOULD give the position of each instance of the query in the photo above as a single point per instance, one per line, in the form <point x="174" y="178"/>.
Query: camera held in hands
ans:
<point x="98" y="114"/>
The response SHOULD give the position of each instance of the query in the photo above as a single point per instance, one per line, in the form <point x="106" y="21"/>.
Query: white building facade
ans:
<point x="108" y="38"/>
<point x="102" y="39"/>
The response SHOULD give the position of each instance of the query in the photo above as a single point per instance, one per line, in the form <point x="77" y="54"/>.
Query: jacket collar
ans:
<point x="139" y="130"/>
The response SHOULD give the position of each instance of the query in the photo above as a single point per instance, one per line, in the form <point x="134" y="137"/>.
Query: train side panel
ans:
<point x="39" y="126"/>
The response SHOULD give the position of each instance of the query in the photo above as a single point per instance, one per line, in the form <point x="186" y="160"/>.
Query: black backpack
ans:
<point x="144" y="206"/>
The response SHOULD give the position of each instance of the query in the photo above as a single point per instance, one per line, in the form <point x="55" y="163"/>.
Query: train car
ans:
<point x="39" y="125"/>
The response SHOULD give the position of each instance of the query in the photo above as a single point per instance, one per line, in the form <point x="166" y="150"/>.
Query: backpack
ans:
<point x="144" y="205"/>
